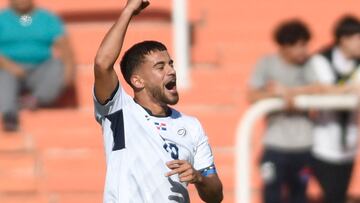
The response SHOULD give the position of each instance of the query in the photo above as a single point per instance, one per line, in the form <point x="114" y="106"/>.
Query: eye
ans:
<point x="160" y="67"/>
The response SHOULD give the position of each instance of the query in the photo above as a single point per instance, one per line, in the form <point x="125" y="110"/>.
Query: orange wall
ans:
<point x="232" y="32"/>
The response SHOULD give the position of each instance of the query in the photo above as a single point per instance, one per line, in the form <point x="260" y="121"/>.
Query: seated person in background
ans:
<point x="336" y="132"/>
<point x="288" y="134"/>
<point x="27" y="37"/>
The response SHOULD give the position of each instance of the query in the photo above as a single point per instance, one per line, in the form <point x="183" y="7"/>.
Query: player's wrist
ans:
<point x="129" y="10"/>
<point x="198" y="178"/>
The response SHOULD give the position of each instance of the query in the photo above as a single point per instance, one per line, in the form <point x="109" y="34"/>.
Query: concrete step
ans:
<point x="69" y="129"/>
<point x="93" y="197"/>
<point x="24" y="198"/>
<point x="15" y="142"/>
<point x="19" y="172"/>
<point x="73" y="171"/>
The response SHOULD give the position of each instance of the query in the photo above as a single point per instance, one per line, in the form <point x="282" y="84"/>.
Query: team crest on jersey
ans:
<point x="181" y="132"/>
<point x="160" y="126"/>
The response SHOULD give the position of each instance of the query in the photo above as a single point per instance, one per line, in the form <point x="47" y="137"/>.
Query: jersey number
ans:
<point x="172" y="149"/>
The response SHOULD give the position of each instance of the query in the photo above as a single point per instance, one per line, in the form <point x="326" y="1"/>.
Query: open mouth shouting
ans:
<point x="171" y="86"/>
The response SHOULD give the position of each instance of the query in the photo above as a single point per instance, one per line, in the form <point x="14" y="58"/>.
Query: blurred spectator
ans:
<point x="288" y="134"/>
<point x="336" y="132"/>
<point x="27" y="37"/>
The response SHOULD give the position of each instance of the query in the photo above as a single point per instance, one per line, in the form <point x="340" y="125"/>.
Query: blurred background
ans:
<point x="57" y="156"/>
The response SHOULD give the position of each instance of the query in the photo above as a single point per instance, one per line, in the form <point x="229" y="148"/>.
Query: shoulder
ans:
<point x="322" y="69"/>
<point x="319" y="61"/>
<point x="184" y="117"/>
<point x="189" y="123"/>
<point x="44" y="12"/>
<point x="47" y="14"/>
<point x="268" y="62"/>
<point x="269" y="58"/>
<point x="5" y="12"/>
<point x="319" y="58"/>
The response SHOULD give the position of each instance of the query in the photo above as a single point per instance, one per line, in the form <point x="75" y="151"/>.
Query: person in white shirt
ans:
<point x="336" y="132"/>
<point x="152" y="151"/>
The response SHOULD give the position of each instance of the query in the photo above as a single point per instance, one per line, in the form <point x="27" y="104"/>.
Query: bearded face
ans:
<point x="159" y="78"/>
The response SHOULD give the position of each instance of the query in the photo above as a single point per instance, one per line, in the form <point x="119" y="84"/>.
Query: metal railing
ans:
<point x="262" y="108"/>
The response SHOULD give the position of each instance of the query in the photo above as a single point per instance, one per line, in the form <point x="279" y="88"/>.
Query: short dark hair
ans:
<point x="134" y="56"/>
<point x="290" y="32"/>
<point x="347" y="25"/>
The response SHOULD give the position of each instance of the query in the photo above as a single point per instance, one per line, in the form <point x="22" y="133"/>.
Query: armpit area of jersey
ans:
<point x="112" y="94"/>
<point x="208" y="171"/>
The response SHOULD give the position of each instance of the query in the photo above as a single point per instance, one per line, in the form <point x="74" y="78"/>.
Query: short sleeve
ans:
<point x="322" y="70"/>
<point x="203" y="156"/>
<point x="259" y="77"/>
<point x="310" y="75"/>
<point x="55" y="27"/>
<point x="114" y="104"/>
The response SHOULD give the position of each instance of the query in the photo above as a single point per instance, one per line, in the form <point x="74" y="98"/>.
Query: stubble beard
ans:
<point x="160" y="96"/>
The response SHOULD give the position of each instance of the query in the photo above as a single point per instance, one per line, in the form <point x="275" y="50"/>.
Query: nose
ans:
<point x="171" y="70"/>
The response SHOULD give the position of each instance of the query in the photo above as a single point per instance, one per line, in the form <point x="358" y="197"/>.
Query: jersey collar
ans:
<point x="168" y="112"/>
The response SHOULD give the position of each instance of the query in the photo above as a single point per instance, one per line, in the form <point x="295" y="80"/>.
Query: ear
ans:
<point x="137" y="81"/>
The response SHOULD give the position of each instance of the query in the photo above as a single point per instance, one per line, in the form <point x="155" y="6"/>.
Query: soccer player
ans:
<point x="153" y="151"/>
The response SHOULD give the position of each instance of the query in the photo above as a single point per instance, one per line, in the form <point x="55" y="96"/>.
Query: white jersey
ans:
<point x="138" y="145"/>
<point x="327" y="144"/>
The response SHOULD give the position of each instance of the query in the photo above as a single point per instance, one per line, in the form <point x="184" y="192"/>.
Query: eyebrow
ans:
<point x="163" y="63"/>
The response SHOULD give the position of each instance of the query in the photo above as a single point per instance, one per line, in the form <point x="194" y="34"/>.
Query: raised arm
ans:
<point x="106" y="79"/>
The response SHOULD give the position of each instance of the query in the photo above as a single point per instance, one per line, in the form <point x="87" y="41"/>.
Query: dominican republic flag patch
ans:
<point x="160" y="126"/>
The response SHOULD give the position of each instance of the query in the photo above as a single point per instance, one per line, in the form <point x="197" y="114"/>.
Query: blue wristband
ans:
<point x="208" y="171"/>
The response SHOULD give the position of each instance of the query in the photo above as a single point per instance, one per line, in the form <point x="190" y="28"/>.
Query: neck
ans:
<point x="24" y="11"/>
<point x="285" y="58"/>
<point x="156" y="108"/>
<point x="344" y="52"/>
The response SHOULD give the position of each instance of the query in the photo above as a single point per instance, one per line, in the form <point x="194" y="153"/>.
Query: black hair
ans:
<point x="347" y="25"/>
<point x="290" y="32"/>
<point x="134" y="56"/>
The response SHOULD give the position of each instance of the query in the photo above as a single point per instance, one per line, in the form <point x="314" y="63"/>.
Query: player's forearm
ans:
<point x="105" y="76"/>
<point x="112" y="43"/>
<point x="210" y="189"/>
